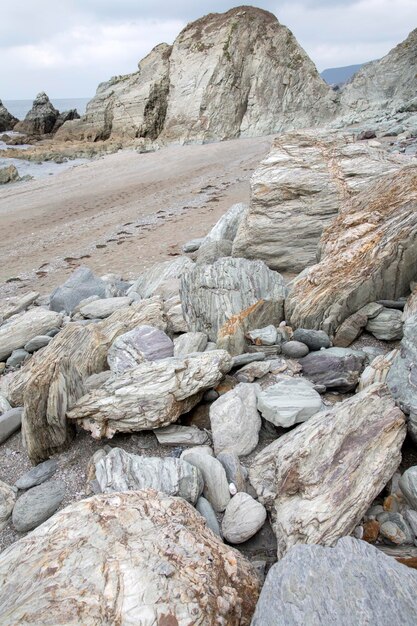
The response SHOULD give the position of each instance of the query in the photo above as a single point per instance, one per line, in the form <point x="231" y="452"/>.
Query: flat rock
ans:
<point x="10" y="422"/>
<point x="289" y="401"/>
<point x="387" y="325"/>
<point x="37" y="475"/>
<point x="242" y="519"/>
<point x="368" y="587"/>
<point x="7" y="502"/>
<point x="335" y="368"/>
<point x="16" y="332"/>
<point x="150" y="395"/>
<point x="144" y="343"/>
<point x="335" y="463"/>
<point x="16" y="304"/>
<point x="121" y="471"/>
<point x="103" y="307"/>
<point x="190" y="342"/>
<point x="37" y="505"/>
<point x="176" y="435"/>
<point x="235" y="421"/>
<point x="313" y="339"/>
<point x="80" y="285"/>
<point x="105" y="546"/>
<point x="216" y="487"/>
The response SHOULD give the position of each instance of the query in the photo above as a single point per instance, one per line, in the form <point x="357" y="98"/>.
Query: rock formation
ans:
<point x="41" y="119"/>
<point x="226" y="75"/>
<point x="7" y="120"/>
<point x="126" y="558"/>
<point x="368" y="253"/>
<point x="297" y="190"/>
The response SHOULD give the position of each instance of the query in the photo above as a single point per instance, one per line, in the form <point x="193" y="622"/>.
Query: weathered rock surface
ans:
<point x="213" y="250"/>
<point x="41" y="118"/>
<point x="212" y="294"/>
<point x="121" y="471"/>
<point x="161" y="279"/>
<point x="235" y="421"/>
<point x="7" y="120"/>
<point x="144" y="343"/>
<point x="190" y="342"/>
<point x="216" y="487"/>
<point x="150" y="395"/>
<point x="367" y="587"/>
<point x="80" y="285"/>
<point x="8" y="174"/>
<point x="267" y="336"/>
<point x="7" y="501"/>
<point x="10" y="421"/>
<point x="227" y="226"/>
<point x="298" y="188"/>
<point x="353" y="325"/>
<point x="37" y="475"/>
<point x="289" y="401"/>
<point x="16" y="304"/>
<point x="387" y="325"/>
<point x="370" y="247"/>
<point x="19" y="330"/>
<point x="37" y="505"/>
<point x="335" y="368"/>
<point x="176" y="435"/>
<point x="242" y="519"/>
<point x="377" y="370"/>
<point x="408" y="485"/>
<point x="319" y="479"/>
<point x="104" y="307"/>
<point x="181" y="572"/>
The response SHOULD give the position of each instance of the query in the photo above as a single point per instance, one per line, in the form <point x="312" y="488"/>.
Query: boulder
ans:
<point x="41" y="118"/>
<point x="371" y="248"/>
<point x="37" y="505"/>
<point x="17" y="331"/>
<point x="7" y="502"/>
<point x="8" y="174"/>
<point x="190" y="342"/>
<point x="213" y="250"/>
<point x="7" y="120"/>
<point x="216" y="487"/>
<point x="387" y="325"/>
<point x="212" y="294"/>
<point x="335" y="368"/>
<point x="150" y="395"/>
<point x="121" y="471"/>
<point x="10" y="422"/>
<point x="161" y="279"/>
<point x="104" y="307"/>
<point x="319" y="479"/>
<point x="368" y="587"/>
<point x="242" y="519"/>
<point x="144" y="343"/>
<point x="227" y="226"/>
<point x="235" y="421"/>
<point x="306" y="179"/>
<point x="103" y="547"/>
<point x="80" y="285"/>
<point x="289" y="401"/>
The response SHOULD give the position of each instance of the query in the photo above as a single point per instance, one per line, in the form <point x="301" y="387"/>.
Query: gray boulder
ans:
<point x="294" y="349"/>
<point x="242" y="519"/>
<point x="216" y="487"/>
<point x="7" y="120"/>
<point x="350" y="584"/>
<point x="41" y="118"/>
<point x="37" y="475"/>
<point x="387" y="325"/>
<point x="211" y="251"/>
<point x="38" y="342"/>
<point x="408" y="485"/>
<point x="227" y="226"/>
<point x="289" y="401"/>
<point x="17" y="357"/>
<point x="37" y="505"/>
<point x="313" y="339"/>
<point x="335" y="368"/>
<point x="80" y="285"/>
<point x="10" y="421"/>
<point x="161" y="279"/>
<point x="144" y="343"/>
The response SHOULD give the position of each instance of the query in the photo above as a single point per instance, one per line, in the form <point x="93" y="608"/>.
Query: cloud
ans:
<point x="66" y="49"/>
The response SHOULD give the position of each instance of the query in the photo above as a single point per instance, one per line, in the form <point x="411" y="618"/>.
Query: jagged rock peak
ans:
<point x="226" y="75"/>
<point x="41" y="118"/>
<point x="7" y="120"/>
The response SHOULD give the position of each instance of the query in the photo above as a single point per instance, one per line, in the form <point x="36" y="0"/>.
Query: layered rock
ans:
<point x="368" y="253"/>
<point x="7" y="120"/>
<point x="319" y="479"/>
<point x="41" y="118"/>
<point x="296" y="191"/>
<point x="81" y="566"/>
<point x="22" y="328"/>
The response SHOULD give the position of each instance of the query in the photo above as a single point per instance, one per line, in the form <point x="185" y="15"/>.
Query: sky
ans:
<point x="67" y="48"/>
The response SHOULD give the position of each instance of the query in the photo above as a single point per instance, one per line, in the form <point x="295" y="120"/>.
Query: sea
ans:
<point x="19" y="108"/>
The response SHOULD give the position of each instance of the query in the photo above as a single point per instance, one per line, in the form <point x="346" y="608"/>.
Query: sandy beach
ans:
<point x="121" y="212"/>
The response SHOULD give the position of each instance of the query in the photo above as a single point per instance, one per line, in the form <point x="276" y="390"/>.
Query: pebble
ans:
<point x="295" y="349"/>
<point x="38" y="342"/>
<point x="17" y="357"/>
<point x="37" y="475"/>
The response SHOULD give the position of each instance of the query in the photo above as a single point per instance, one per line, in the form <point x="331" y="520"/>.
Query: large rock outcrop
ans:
<point x="126" y="558"/>
<point x="306" y="179"/>
<point x="41" y="118"/>
<point x="319" y="479"/>
<point x="383" y="87"/>
<point x="227" y="74"/>
<point x="368" y="253"/>
<point x="7" y="120"/>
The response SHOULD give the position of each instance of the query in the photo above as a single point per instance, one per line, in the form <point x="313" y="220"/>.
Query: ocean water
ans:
<point x="19" y="108"/>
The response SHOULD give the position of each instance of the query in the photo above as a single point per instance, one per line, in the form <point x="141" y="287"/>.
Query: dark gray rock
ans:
<point x="295" y="349"/>
<point x="17" y="357"/>
<point x="233" y="468"/>
<point x="41" y="118"/>
<point x="350" y="584"/>
<point x="205" y="509"/>
<point x="335" y="368"/>
<point x="7" y="120"/>
<point x="10" y="421"/>
<point x="37" y="475"/>
<point x="63" y="117"/>
<point x="37" y="505"/>
<point x="38" y="342"/>
<point x="313" y="339"/>
<point x="248" y="357"/>
<point x="80" y="285"/>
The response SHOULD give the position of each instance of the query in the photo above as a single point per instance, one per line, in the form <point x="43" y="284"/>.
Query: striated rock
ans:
<point x="7" y="501"/>
<point x="19" y="330"/>
<point x="319" y="479"/>
<point x="190" y="342"/>
<point x="176" y="435"/>
<point x="205" y="509"/>
<point x="368" y="587"/>
<point x="377" y="371"/>
<point x="370" y="247"/>
<point x="235" y="421"/>
<point x="181" y="571"/>
<point x="37" y="505"/>
<point x="121" y="471"/>
<point x="213" y="250"/>
<point x="216" y="487"/>
<point x="37" y="475"/>
<point x="8" y="174"/>
<point x="267" y="336"/>
<point x="227" y="226"/>
<point x="251" y="371"/>
<point x="7" y="120"/>
<point x="289" y="401"/>
<point x="242" y="519"/>
<point x="150" y="395"/>
<point x="104" y="307"/>
<point x="144" y="343"/>
<point x="175" y="317"/>
<point x="302" y="184"/>
<point x="16" y="304"/>
<point x="10" y="422"/>
<point x="80" y="285"/>
<point x="161" y="279"/>
<point x="387" y="325"/>
<point x="41" y="118"/>
<point x="212" y="294"/>
<point x="335" y="368"/>
<point x="352" y="327"/>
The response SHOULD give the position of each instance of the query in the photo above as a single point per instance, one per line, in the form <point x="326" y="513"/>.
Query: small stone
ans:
<point x="243" y="517"/>
<point x="37" y="343"/>
<point x="210" y="396"/>
<point x="295" y="349"/>
<point x="313" y="339"/>
<point x="371" y="530"/>
<point x="205" y="509"/>
<point x="391" y="504"/>
<point x="17" y="357"/>
<point x="175" y="434"/>
<point x="193" y="245"/>
<point x="37" y="505"/>
<point x="396" y="530"/>
<point x="37" y="475"/>
<point x="232" y="489"/>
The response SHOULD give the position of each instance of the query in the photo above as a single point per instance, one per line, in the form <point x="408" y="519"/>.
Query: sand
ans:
<point x="119" y="213"/>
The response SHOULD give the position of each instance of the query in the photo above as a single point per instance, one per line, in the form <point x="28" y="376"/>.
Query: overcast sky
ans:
<point x="67" y="47"/>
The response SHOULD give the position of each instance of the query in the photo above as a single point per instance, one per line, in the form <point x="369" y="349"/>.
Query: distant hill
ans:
<point x="339" y="75"/>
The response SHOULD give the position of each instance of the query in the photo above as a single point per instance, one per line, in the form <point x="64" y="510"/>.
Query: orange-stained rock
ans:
<point x="370" y="531"/>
